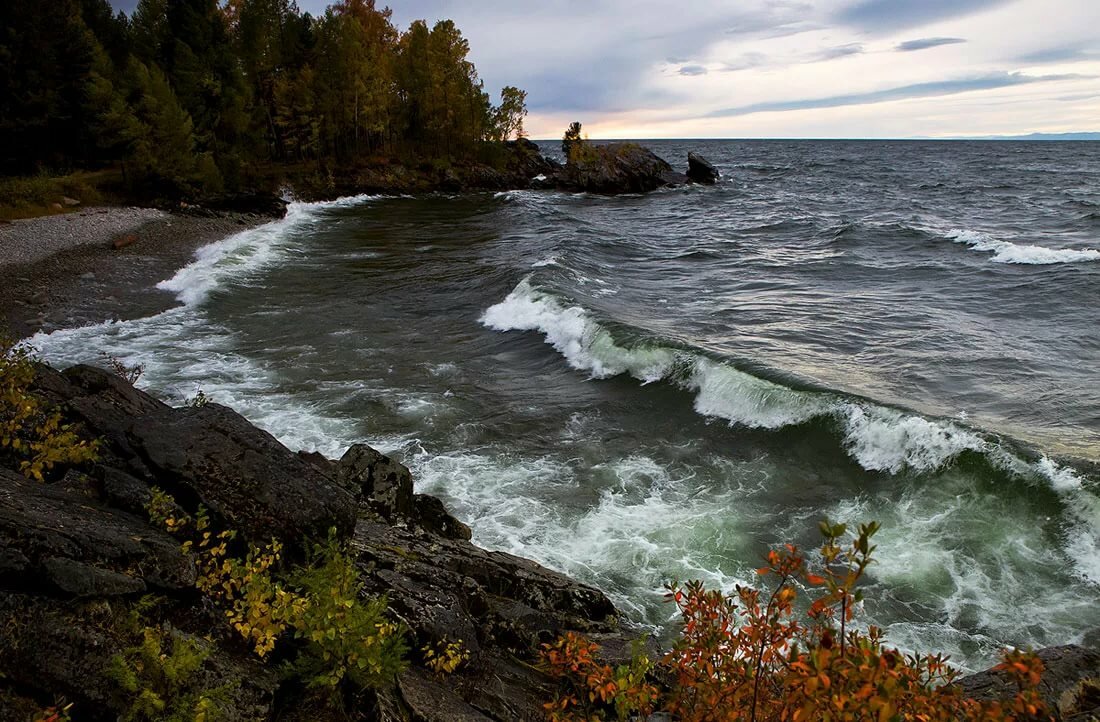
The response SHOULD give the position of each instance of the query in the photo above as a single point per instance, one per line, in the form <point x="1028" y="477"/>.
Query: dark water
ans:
<point x="636" y="389"/>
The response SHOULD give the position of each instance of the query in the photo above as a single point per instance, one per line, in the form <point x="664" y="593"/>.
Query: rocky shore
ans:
<point x="79" y="552"/>
<point x="76" y="553"/>
<point x="609" y="168"/>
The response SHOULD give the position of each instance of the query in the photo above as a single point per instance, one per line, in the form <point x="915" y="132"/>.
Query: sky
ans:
<point x="784" y="68"/>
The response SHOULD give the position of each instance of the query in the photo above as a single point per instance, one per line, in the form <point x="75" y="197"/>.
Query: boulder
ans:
<point x="526" y="161"/>
<point x="499" y="606"/>
<point x="59" y="542"/>
<point x="383" y="483"/>
<point x="124" y="240"/>
<point x="701" y="170"/>
<point x="1070" y="684"/>
<point x="209" y="455"/>
<point x="430" y="514"/>
<point x="69" y="202"/>
<point x="441" y="586"/>
<point x="613" y="168"/>
<point x="213" y="455"/>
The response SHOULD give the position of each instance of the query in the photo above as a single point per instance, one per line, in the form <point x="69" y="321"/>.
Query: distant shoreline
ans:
<point x="1031" y="138"/>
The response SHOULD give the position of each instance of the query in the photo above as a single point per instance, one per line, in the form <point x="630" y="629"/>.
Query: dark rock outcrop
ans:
<point x="58" y="542"/>
<point x="613" y="168"/>
<point x="64" y="648"/>
<point x="1070" y="684"/>
<point x="253" y="203"/>
<point x="210" y="455"/>
<point x="499" y="606"/>
<point x="701" y="170"/>
<point x="384" y="483"/>
<point x="76" y="553"/>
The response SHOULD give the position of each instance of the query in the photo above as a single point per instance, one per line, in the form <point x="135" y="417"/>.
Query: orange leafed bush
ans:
<point x="752" y="656"/>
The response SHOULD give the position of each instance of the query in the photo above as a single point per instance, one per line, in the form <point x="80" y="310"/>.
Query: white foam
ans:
<point x="973" y="557"/>
<point x="883" y="439"/>
<point x="641" y="529"/>
<point x="585" y="345"/>
<point x="877" y="437"/>
<point x="236" y="257"/>
<point x="1007" y="252"/>
<point x="1082" y="534"/>
<point x="183" y="351"/>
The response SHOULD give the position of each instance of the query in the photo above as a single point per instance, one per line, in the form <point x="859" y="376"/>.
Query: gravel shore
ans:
<point x="63" y="271"/>
<point x="32" y="239"/>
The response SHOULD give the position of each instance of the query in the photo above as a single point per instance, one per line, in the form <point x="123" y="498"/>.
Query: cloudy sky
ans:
<point x="786" y="68"/>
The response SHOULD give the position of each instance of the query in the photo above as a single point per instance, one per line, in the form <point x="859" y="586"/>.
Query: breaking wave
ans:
<point x="1006" y="252"/>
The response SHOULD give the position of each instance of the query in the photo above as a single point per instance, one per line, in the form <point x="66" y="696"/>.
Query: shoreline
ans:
<point x="65" y="274"/>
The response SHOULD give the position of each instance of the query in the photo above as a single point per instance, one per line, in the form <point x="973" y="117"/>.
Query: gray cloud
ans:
<point x="746" y="61"/>
<point x="840" y="51"/>
<point x="925" y="43"/>
<point x="916" y="90"/>
<point x="887" y="15"/>
<point x="1062" y="54"/>
<point x="693" y="70"/>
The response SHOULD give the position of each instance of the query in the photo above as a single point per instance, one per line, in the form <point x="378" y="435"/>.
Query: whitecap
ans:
<point x="1007" y="252"/>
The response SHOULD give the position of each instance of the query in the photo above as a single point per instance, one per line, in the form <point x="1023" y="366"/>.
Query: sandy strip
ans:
<point x="63" y="271"/>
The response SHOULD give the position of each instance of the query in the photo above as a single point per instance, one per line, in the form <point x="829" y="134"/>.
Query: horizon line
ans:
<point x="1032" y="137"/>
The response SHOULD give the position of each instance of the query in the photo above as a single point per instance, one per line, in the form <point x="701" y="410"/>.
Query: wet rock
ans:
<point x="257" y="203"/>
<point x="242" y="474"/>
<point x="510" y="602"/>
<point x="1070" y="683"/>
<point x="384" y="483"/>
<point x="210" y="455"/>
<point x="673" y="178"/>
<point x="701" y="170"/>
<point x="431" y="701"/>
<point x="58" y="542"/>
<point x="430" y="514"/>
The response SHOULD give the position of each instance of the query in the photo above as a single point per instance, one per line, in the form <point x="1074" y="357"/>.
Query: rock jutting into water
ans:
<point x="701" y="170"/>
<point x="608" y="169"/>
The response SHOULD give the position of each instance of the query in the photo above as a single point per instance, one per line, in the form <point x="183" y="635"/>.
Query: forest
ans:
<point x="205" y="94"/>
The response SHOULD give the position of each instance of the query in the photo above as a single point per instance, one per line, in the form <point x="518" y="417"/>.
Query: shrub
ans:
<point x="157" y="679"/>
<point x="31" y="432"/>
<point x="445" y="657"/>
<point x="343" y="640"/>
<point x="749" y="655"/>
<point x="256" y="605"/>
<point x="130" y="373"/>
<point x="343" y="637"/>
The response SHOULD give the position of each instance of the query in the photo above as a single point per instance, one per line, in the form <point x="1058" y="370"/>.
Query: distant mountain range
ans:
<point x="1030" y="136"/>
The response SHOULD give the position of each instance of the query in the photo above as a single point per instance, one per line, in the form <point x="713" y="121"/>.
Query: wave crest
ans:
<point x="1007" y="252"/>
